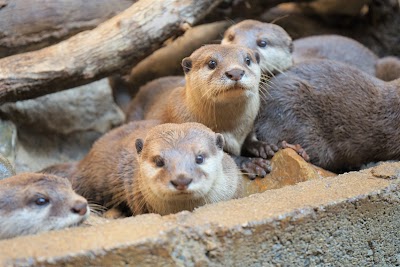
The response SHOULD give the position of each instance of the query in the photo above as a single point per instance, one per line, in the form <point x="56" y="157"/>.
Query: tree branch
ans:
<point x="115" y="44"/>
<point x="34" y="24"/>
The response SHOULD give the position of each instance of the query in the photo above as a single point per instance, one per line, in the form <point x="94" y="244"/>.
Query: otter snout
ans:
<point x="235" y="74"/>
<point x="80" y="207"/>
<point x="181" y="183"/>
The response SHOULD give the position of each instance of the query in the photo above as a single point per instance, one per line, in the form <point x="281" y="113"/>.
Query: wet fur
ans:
<point x="340" y="115"/>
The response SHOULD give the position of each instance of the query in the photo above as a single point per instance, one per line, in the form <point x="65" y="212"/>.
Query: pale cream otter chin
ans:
<point x="180" y="173"/>
<point x="273" y="43"/>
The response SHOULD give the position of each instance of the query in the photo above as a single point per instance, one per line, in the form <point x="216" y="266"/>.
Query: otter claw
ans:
<point x="253" y="167"/>
<point x="298" y="149"/>
<point x="260" y="149"/>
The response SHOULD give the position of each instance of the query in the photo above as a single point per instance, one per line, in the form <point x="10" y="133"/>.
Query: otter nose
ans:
<point x="235" y="74"/>
<point x="181" y="183"/>
<point x="79" y="207"/>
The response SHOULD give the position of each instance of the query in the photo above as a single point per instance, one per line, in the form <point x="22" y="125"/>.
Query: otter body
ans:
<point x="221" y="92"/>
<point x="278" y="52"/>
<point x="346" y="50"/>
<point x="144" y="167"/>
<point x="340" y="115"/>
<point x="143" y="101"/>
<point x="31" y="203"/>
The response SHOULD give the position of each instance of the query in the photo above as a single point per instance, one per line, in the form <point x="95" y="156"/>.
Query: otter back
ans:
<point x="340" y="115"/>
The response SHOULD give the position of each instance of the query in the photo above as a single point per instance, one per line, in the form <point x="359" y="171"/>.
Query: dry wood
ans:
<point x="115" y="44"/>
<point x="34" y="24"/>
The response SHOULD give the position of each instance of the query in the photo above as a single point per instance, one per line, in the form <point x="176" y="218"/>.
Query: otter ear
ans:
<point x="186" y="64"/>
<point x="257" y="55"/>
<point x="219" y="140"/>
<point x="139" y="145"/>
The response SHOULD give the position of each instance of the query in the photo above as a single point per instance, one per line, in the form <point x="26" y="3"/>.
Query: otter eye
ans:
<point x="248" y="61"/>
<point x="41" y="201"/>
<point x="261" y="43"/>
<point x="231" y="37"/>
<point x="159" y="161"/>
<point x="212" y="64"/>
<point x="199" y="159"/>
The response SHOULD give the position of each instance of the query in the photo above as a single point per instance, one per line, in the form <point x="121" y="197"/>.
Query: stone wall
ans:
<point x="350" y="219"/>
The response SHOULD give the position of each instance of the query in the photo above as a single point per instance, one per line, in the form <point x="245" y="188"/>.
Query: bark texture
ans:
<point x="34" y="24"/>
<point x="118" y="43"/>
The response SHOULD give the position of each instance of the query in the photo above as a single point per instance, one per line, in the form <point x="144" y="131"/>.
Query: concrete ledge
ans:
<point x="351" y="219"/>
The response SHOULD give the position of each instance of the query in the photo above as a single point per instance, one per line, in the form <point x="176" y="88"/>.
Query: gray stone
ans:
<point x="8" y="140"/>
<point x="6" y="169"/>
<point x="62" y="126"/>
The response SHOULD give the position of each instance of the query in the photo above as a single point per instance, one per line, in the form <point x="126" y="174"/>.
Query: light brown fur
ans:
<point x="209" y="97"/>
<point x="32" y="203"/>
<point x="113" y="174"/>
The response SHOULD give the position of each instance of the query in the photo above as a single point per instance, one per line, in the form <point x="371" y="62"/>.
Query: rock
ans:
<point x="6" y="169"/>
<point x="8" y="140"/>
<point x="288" y="168"/>
<point x="387" y="170"/>
<point x="62" y="126"/>
<point x="85" y="108"/>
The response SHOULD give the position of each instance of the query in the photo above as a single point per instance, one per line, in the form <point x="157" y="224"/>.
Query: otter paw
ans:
<point x="298" y="149"/>
<point x="260" y="149"/>
<point x="113" y="214"/>
<point x="253" y="167"/>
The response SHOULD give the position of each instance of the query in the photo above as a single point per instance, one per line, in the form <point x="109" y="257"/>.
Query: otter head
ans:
<point x="179" y="165"/>
<point x="221" y="74"/>
<point x="32" y="203"/>
<point x="272" y="42"/>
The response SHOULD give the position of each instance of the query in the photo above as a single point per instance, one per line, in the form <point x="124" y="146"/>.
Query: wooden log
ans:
<point x="34" y="24"/>
<point x="118" y="43"/>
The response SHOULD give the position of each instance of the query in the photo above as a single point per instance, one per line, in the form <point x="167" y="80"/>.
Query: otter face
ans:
<point x="32" y="203"/>
<point x="179" y="164"/>
<point x="225" y="73"/>
<point x="271" y="41"/>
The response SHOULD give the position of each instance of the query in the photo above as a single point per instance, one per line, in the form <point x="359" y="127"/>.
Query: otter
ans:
<point x="278" y="52"/>
<point x="221" y="91"/>
<point x="142" y="102"/>
<point x="271" y="41"/>
<point x="31" y="203"/>
<point x="340" y="115"/>
<point x="145" y="166"/>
